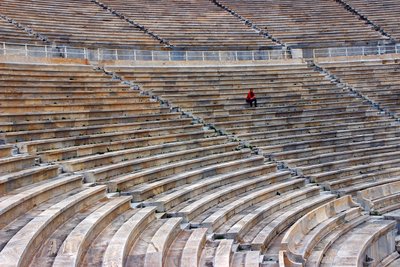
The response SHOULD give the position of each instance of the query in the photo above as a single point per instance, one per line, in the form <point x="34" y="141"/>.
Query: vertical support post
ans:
<point x="202" y="55"/>
<point x="134" y="55"/>
<point x="379" y="50"/>
<point x="152" y="55"/>
<point x="26" y="50"/>
<point x="329" y="52"/>
<point x="186" y="55"/>
<point x="313" y="53"/>
<point x="363" y="51"/>
<point x="98" y="54"/>
<point x="347" y="52"/>
<point x="4" y="48"/>
<point x="395" y="48"/>
<point x="169" y="55"/>
<point x="219" y="55"/>
<point x="45" y="51"/>
<point x="65" y="52"/>
<point x="252" y="56"/>
<point x="85" y="54"/>
<point x="116" y="54"/>
<point x="236" y="56"/>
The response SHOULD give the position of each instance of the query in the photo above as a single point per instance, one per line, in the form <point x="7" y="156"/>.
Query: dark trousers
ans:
<point x="250" y="101"/>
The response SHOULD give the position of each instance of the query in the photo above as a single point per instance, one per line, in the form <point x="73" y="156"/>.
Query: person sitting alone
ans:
<point x="251" y="97"/>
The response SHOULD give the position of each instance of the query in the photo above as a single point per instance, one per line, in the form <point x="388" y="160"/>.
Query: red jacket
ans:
<point x="250" y="95"/>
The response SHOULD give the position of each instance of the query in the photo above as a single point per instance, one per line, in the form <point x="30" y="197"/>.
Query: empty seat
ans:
<point x="122" y="241"/>
<point x="193" y="248"/>
<point x="246" y="259"/>
<point x="224" y="253"/>
<point x="16" y="163"/>
<point x="6" y="150"/>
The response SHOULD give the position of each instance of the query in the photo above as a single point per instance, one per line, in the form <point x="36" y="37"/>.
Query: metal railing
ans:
<point x="46" y="51"/>
<point x="356" y="51"/>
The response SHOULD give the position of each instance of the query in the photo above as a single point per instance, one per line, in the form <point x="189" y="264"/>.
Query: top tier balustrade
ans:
<point x="45" y="51"/>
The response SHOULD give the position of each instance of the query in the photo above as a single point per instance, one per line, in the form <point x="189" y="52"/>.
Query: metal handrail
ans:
<point x="100" y="54"/>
